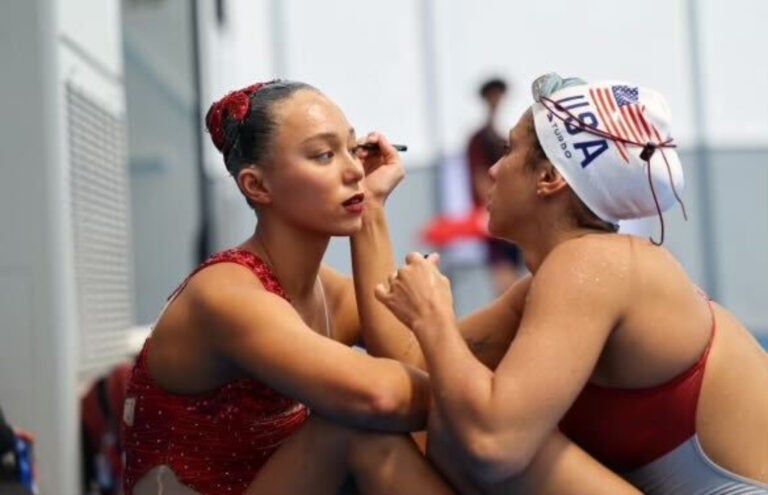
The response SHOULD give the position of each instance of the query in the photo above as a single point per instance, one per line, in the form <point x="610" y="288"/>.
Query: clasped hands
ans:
<point x="418" y="294"/>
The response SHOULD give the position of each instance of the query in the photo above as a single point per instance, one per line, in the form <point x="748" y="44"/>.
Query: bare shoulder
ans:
<point x="592" y="276"/>
<point x="212" y="289"/>
<point x="590" y="260"/>
<point x="184" y="357"/>
<point x="228" y="303"/>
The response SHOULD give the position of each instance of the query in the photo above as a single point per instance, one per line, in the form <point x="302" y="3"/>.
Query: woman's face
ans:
<point x="314" y="177"/>
<point x="513" y="192"/>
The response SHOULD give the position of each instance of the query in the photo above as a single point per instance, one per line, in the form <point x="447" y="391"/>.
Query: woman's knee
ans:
<point x="360" y="449"/>
<point x="375" y="448"/>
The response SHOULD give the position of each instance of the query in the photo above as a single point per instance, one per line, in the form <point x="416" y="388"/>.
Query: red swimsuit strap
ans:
<point x="243" y="257"/>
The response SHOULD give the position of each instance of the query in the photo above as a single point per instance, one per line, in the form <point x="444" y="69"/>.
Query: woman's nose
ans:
<point x="353" y="169"/>
<point x="492" y="171"/>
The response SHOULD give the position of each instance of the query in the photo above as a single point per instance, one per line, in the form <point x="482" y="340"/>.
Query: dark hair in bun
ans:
<point x="242" y="125"/>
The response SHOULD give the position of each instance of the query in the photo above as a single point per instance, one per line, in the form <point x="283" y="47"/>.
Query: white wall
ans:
<point x="45" y="44"/>
<point x="36" y="324"/>
<point x="163" y="132"/>
<point x="369" y="58"/>
<point x="94" y="27"/>
<point x="735" y="73"/>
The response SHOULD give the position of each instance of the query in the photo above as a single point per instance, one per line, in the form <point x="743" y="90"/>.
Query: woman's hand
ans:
<point x="418" y="294"/>
<point x="383" y="168"/>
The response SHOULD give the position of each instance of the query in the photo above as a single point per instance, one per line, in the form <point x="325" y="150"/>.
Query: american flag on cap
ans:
<point x="622" y="116"/>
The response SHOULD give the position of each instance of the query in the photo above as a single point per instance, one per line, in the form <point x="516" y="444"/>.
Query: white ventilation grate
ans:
<point x="100" y="209"/>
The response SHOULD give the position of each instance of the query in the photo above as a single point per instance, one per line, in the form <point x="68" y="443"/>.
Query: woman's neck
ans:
<point x="293" y="256"/>
<point x="540" y="241"/>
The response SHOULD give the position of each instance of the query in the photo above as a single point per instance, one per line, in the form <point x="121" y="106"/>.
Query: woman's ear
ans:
<point x="549" y="181"/>
<point x="253" y="184"/>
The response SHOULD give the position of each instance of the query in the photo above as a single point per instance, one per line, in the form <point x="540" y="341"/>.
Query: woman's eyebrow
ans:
<point x="327" y="136"/>
<point x="324" y="136"/>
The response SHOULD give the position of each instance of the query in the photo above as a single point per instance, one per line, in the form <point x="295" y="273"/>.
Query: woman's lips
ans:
<point x="355" y="204"/>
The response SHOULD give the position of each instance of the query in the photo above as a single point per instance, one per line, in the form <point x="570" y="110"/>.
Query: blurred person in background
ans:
<point x="485" y="147"/>
<point x="259" y="335"/>
<point x="608" y="341"/>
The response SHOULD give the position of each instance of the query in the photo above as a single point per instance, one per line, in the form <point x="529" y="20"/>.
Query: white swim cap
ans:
<point x="611" y="141"/>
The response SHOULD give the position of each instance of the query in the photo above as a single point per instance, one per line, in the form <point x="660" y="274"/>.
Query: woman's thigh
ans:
<point x="313" y="461"/>
<point x="321" y="456"/>
<point x="562" y="468"/>
<point x="559" y="468"/>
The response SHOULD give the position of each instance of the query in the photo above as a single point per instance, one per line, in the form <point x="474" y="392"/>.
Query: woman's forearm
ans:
<point x="372" y="263"/>
<point x="461" y="385"/>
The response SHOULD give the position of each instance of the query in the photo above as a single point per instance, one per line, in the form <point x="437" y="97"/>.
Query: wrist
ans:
<point x="374" y="210"/>
<point x="375" y="201"/>
<point x="433" y="324"/>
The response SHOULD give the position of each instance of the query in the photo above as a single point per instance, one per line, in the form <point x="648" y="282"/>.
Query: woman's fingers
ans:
<point x="413" y="257"/>
<point x="381" y="292"/>
<point x="393" y="302"/>
<point x="416" y="257"/>
<point x="434" y="258"/>
<point x="381" y="148"/>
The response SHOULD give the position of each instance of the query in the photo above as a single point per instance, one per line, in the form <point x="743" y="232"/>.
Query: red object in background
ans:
<point x="101" y="416"/>
<point x="443" y="231"/>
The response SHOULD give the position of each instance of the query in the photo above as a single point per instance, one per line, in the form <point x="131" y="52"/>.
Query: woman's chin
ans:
<point x="500" y="232"/>
<point x="349" y="228"/>
<point x="494" y="230"/>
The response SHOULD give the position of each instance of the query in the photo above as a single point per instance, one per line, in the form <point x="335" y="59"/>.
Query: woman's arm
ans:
<point x="489" y="331"/>
<point x="263" y="334"/>
<point x="373" y="259"/>
<point x="373" y="262"/>
<point x="503" y="417"/>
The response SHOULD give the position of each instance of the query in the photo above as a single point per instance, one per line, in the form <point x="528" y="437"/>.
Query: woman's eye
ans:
<point x="507" y="149"/>
<point x="324" y="157"/>
<point x="353" y="150"/>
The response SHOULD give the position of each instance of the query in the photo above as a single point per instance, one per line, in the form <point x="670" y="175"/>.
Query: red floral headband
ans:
<point x="236" y="105"/>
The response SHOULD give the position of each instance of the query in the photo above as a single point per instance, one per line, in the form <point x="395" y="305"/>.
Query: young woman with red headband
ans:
<point x="608" y="341"/>
<point x="258" y="336"/>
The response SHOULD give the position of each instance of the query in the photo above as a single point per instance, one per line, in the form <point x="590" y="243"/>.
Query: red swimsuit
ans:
<point x="214" y="442"/>
<point x="626" y="429"/>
